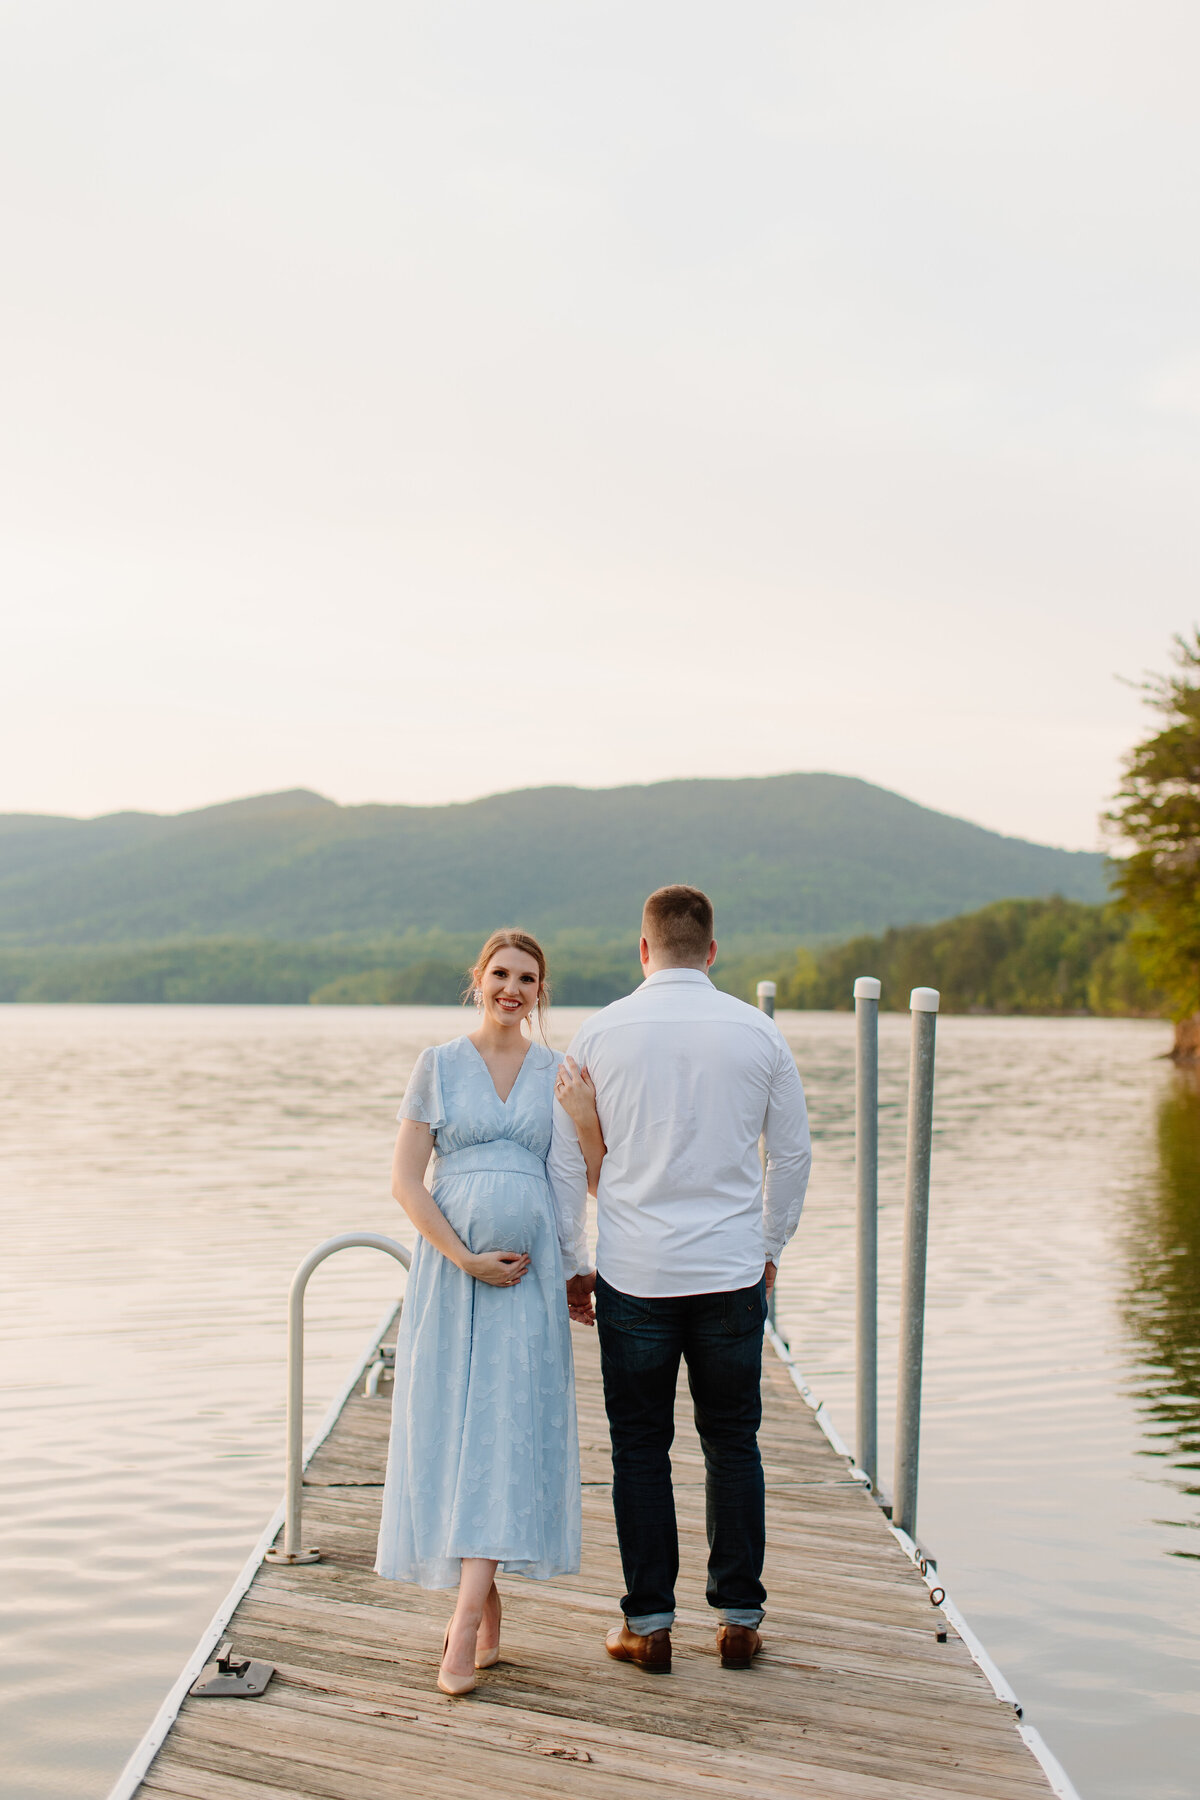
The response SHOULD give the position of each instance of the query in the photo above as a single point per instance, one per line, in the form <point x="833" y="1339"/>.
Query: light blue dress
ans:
<point x="484" y="1454"/>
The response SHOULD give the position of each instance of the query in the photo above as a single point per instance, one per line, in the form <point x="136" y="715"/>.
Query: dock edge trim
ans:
<point x="138" y="1766"/>
<point x="1060" y="1782"/>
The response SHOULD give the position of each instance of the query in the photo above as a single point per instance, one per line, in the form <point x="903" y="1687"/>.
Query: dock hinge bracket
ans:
<point x="232" y="1677"/>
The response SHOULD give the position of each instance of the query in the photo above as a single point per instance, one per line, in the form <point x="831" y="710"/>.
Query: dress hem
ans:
<point x="502" y="1568"/>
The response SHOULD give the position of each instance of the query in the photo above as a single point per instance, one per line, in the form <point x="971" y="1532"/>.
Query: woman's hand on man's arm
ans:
<point x="575" y="1092"/>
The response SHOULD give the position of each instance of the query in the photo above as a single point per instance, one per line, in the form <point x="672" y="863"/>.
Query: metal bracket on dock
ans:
<point x="288" y="1557"/>
<point x="232" y="1677"/>
<point x="382" y="1369"/>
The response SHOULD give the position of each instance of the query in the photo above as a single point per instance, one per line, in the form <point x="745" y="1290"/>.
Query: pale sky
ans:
<point x="414" y="401"/>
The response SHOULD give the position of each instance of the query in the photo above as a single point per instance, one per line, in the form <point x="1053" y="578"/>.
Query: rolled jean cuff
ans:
<point x="741" y="1615"/>
<point x="642" y="1624"/>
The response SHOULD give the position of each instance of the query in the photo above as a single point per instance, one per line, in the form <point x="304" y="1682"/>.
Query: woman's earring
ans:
<point x="477" y="997"/>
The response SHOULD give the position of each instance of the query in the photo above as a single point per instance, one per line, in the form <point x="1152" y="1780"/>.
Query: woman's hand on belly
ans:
<point x="498" y="1268"/>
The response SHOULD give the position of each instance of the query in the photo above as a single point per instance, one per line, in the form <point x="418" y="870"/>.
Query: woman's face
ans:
<point x="510" y="986"/>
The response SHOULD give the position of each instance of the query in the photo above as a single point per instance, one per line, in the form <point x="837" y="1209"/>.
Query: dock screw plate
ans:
<point x="233" y="1677"/>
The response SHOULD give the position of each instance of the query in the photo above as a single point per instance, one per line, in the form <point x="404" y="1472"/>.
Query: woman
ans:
<point x="483" y="1469"/>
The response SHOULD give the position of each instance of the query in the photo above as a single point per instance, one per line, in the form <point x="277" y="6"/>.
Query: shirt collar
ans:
<point x="665" y="975"/>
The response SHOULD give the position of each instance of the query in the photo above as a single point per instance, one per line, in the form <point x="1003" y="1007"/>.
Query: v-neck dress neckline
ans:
<point x="516" y="1078"/>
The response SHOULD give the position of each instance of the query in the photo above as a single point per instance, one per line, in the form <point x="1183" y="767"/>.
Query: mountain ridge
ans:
<point x="305" y="799"/>
<point x="797" y="855"/>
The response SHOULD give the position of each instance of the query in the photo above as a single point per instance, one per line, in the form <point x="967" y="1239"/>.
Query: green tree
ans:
<point x="1157" y="810"/>
<point x="1051" y="957"/>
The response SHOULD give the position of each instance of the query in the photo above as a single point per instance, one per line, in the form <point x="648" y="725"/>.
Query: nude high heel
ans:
<point x="454" y="1685"/>
<point x="490" y="1658"/>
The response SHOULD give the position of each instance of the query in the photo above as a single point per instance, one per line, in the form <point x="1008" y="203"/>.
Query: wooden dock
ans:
<point x="853" y="1696"/>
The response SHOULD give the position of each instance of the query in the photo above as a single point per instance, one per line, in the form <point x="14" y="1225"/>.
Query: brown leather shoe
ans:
<point x="652" y="1653"/>
<point x="738" y="1645"/>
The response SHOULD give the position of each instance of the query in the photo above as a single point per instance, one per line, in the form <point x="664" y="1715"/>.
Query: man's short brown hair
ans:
<point x="678" y="921"/>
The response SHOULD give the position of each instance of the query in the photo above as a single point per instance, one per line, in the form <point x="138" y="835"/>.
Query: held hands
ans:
<point x="769" y="1274"/>
<point x="579" y="1299"/>
<point x="498" y="1268"/>
<point x="575" y="1091"/>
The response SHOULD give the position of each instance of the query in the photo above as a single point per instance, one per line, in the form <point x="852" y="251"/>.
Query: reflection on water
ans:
<point x="163" y="1170"/>
<point x="1163" y="1302"/>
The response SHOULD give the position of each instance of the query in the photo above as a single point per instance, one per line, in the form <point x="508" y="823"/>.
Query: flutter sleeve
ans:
<point x="423" y="1095"/>
<point x="566" y="1172"/>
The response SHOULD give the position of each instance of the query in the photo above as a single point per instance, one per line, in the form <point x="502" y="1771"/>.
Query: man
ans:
<point x="687" y="1080"/>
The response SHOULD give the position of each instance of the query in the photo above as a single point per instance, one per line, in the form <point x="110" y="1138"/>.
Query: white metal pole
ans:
<point x="866" y="1146"/>
<point x="924" y="1005"/>
<point x="292" y="1551"/>
<point x="765" y="993"/>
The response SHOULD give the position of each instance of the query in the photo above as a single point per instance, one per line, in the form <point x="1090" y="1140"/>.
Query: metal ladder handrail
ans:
<point x="292" y="1551"/>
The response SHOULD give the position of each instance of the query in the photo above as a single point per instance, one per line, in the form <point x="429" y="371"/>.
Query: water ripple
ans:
<point x="166" y="1168"/>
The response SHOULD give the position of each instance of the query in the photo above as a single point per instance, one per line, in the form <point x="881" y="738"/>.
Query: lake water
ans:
<point x="164" y="1169"/>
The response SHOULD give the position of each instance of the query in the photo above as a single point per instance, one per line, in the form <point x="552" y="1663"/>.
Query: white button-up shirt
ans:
<point x="687" y="1080"/>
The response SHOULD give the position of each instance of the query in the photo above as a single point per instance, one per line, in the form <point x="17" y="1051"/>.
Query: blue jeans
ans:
<point x="720" y="1338"/>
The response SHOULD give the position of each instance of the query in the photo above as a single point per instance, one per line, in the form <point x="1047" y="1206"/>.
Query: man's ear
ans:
<point x="644" y="951"/>
<point x="712" y="954"/>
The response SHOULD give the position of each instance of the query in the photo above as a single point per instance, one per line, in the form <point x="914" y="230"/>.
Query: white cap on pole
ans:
<point x="924" y="1000"/>
<point x="766" y="990"/>
<point x="867" y="988"/>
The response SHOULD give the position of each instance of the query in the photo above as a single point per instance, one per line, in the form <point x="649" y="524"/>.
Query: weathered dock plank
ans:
<point x="853" y="1697"/>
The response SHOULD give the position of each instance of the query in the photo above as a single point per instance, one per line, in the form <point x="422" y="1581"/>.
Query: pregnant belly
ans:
<point x="500" y="1211"/>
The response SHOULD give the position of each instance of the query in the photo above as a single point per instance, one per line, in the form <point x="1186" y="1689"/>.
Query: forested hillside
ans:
<point x="788" y="857"/>
<point x="1017" y="956"/>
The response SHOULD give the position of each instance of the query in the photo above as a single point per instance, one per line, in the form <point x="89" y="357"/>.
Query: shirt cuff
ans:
<point x="578" y="1262"/>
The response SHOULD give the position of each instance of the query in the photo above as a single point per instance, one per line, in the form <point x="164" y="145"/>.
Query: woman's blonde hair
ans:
<point x="509" y="938"/>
